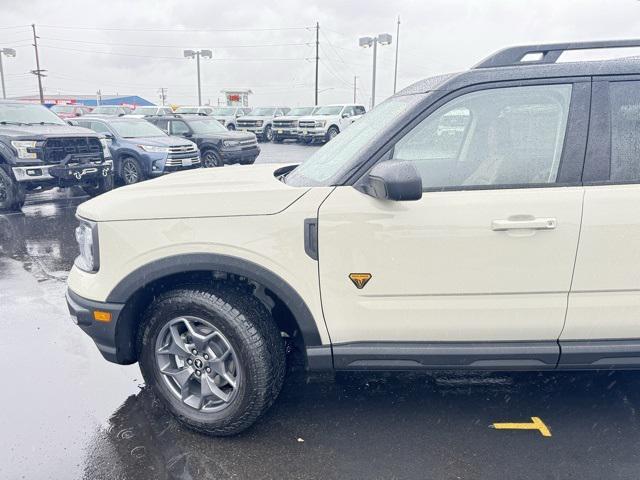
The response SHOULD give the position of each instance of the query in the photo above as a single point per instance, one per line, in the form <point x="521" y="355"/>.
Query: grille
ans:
<point x="248" y="143"/>
<point x="72" y="150"/>
<point x="307" y="124"/>
<point x="284" y="123"/>
<point x="247" y="123"/>
<point x="177" y="162"/>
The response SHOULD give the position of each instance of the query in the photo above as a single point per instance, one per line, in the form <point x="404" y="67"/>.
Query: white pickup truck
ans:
<point x="328" y="121"/>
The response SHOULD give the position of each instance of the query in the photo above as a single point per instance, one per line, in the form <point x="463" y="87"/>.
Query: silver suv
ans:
<point x="260" y="121"/>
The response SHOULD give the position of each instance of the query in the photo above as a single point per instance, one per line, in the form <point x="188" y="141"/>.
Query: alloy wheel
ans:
<point x="198" y="364"/>
<point x="130" y="173"/>
<point x="210" y="159"/>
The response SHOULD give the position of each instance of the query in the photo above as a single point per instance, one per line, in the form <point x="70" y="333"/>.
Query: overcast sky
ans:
<point x="135" y="47"/>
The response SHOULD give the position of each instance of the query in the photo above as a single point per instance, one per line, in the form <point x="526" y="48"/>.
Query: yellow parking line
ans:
<point x="536" y="424"/>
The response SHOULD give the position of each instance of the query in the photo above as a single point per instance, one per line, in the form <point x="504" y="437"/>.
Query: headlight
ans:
<point x="105" y="148"/>
<point x="23" y="146"/>
<point x="259" y="123"/>
<point x="154" y="149"/>
<point x="321" y="123"/>
<point x="87" y="238"/>
<point x="230" y="143"/>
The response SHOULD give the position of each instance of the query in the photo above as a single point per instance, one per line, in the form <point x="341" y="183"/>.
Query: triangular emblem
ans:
<point x="360" y="279"/>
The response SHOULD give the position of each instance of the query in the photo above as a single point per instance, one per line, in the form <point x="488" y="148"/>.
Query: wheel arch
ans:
<point x="290" y="312"/>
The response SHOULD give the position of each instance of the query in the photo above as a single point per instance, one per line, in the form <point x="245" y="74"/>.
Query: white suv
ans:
<point x="228" y="116"/>
<point x="508" y="243"/>
<point x="328" y="121"/>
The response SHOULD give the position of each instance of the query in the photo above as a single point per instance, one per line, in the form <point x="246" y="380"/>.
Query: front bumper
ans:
<point x="102" y="333"/>
<point x="258" y="131"/>
<point x="239" y="155"/>
<point x="313" y="133"/>
<point x="286" y="133"/>
<point x="63" y="174"/>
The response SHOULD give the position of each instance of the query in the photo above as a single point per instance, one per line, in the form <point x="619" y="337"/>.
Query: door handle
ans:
<point x="524" y="222"/>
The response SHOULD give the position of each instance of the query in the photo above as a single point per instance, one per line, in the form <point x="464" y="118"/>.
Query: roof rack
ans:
<point x="545" y="54"/>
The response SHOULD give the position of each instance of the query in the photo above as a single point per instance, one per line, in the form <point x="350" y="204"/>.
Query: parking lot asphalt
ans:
<point x="68" y="414"/>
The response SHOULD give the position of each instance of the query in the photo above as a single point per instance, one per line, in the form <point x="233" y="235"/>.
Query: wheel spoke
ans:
<point x="176" y="345"/>
<point x="180" y="375"/>
<point x="199" y="340"/>
<point x="208" y="388"/>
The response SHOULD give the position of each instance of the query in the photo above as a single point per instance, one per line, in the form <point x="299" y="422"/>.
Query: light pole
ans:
<point x="197" y="54"/>
<point x="366" y="42"/>
<point x="9" y="52"/>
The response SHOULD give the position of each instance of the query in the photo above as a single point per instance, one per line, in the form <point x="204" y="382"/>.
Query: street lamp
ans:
<point x="197" y="54"/>
<point x="366" y="42"/>
<point x="9" y="52"/>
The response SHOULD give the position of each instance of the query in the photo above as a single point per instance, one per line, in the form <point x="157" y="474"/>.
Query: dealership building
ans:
<point x="89" y="100"/>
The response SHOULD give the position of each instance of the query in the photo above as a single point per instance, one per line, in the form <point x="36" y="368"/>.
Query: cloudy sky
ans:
<point x="135" y="47"/>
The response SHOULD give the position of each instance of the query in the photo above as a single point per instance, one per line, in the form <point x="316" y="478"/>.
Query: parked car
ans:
<point x="218" y="146"/>
<point x="70" y="111"/>
<point x="150" y="111"/>
<point x="111" y="110"/>
<point x="286" y="127"/>
<point x="228" y="116"/>
<point x="511" y="245"/>
<point x="328" y="121"/>
<point x="39" y="151"/>
<point x="195" y="110"/>
<point x="140" y="150"/>
<point x="260" y="121"/>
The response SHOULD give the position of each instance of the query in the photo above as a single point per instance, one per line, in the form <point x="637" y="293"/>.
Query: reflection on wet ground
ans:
<point x="69" y="414"/>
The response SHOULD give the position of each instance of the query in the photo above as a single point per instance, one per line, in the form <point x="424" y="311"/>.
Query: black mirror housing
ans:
<point x="396" y="180"/>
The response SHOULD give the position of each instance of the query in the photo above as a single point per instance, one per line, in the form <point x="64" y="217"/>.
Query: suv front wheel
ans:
<point x="12" y="194"/>
<point x="214" y="358"/>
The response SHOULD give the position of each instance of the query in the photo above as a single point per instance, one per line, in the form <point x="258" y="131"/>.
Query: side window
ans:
<point x="99" y="127"/>
<point x="505" y="136"/>
<point x="162" y="124"/>
<point x="178" y="127"/>
<point x="624" y="101"/>
<point x="360" y="110"/>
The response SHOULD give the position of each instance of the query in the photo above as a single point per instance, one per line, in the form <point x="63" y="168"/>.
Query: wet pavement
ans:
<point x="68" y="414"/>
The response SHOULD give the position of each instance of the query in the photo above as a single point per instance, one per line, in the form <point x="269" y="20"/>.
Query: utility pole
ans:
<point x="355" y="80"/>
<point x="163" y="95"/>
<point x="9" y="52"/>
<point x="199" y="87"/>
<point x="395" y="71"/>
<point x="197" y="54"/>
<point x="98" y="97"/>
<point x="37" y="72"/>
<point x="317" y="57"/>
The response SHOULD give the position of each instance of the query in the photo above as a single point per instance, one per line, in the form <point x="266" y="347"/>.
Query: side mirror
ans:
<point x="345" y="115"/>
<point x="393" y="180"/>
<point x="187" y="134"/>
<point x="108" y="136"/>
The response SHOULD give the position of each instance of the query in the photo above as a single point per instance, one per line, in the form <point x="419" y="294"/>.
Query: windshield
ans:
<point x="187" y="110"/>
<point x="300" y="111"/>
<point x="28" y="114"/>
<point x="136" y="129"/>
<point x="106" y="110"/>
<point x="145" y="111"/>
<point x="63" y="108"/>
<point x="223" y="111"/>
<point x="263" y="111"/>
<point x="208" y="125"/>
<point x="337" y="157"/>
<point x="328" y="110"/>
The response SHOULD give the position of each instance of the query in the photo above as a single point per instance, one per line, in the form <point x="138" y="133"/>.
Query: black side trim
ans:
<point x="446" y="355"/>
<point x="194" y="262"/>
<point x="319" y="359"/>
<point x="600" y="354"/>
<point x="311" y="237"/>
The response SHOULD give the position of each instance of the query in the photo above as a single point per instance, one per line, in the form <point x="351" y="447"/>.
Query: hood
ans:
<point x="45" y="131"/>
<point x="227" y="135"/>
<point x="202" y="192"/>
<point x="159" y="141"/>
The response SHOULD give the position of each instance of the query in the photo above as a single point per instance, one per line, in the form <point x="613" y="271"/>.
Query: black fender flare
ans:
<point x="193" y="262"/>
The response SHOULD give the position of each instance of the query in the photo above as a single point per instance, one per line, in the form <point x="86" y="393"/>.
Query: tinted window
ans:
<point x="625" y="131"/>
<point x="505" y="136"/>
<point x="99" y="127"/>
<point x="178" y="127"/>
<point x="360" y="110"/>
<point x="162" y="124"/>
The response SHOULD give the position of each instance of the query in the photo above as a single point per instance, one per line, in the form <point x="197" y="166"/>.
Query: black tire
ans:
<point x="249" y="161"/>
<point x="267" y="135"/>
<point x="12" y="194"/>
<point x="277" y="139"/>
<point x="249" y="329"/>
<point x="307" y="140"/>
<point x="231" y="127"/>
<point x="102" y="185"/>
<point x="332" y="133"/>
<point x="211" y="158"/>
<point x="131" y="171"/>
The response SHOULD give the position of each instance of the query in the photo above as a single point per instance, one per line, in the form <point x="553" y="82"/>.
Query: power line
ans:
<point x="173" y="46"/>
<point x="178" y="30"/>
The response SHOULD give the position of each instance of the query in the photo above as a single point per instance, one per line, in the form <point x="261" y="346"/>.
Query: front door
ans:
<point x="486" y="256"/>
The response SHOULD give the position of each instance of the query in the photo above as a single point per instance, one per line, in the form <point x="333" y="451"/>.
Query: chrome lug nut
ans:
<point x="208" y="370"/>
<point x="189" y="361"/>
<point x="206" y="357"/>
<point x="194" y="351"/>
<point x="198" y="372"/>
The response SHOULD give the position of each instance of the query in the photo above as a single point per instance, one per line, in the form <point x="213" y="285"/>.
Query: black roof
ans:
<point x="511" y="64"/>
